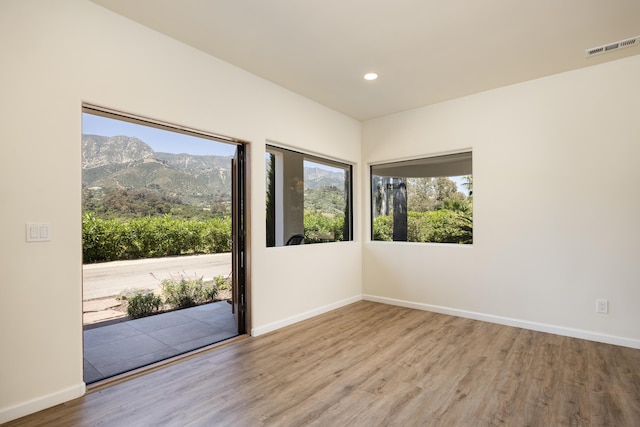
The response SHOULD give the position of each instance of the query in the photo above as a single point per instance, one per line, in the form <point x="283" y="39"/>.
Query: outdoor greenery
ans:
<point x="120" y="224"/>
<point x="329" y="200"/>
<point x="324" y="215"/>
<point x="437" y="211"/>
<point x="443" y="226"/>
<point x="184" y="292"/>
<point x="320" y="227"/>
<point x="143" y="304"/>
<point x="222" y="283"/>
<point x="126" y="164"/>
<point x="120" y="203"/>
<point x="177" y="293"/>
<point x="322" y="196"/>
<point x="152" y="236"/>
<point x="271" y="200"/>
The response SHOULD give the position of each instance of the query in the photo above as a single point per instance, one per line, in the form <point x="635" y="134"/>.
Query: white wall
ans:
<point x="59" y="54"/>
<point x="556" y="205"/>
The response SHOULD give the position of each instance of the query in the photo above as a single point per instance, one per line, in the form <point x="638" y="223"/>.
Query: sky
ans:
<point x="160" y="140"/>
<point x="460" y="181"/>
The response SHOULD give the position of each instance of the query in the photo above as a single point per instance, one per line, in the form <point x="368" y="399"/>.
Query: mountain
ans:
<point x="104" y="150"/>
<point x="129" y="163"/>
<point x="324" y="190"/>
<point x="316" y="178"/>
<point x="124" y="162"/>
<point x="195" y="164"/>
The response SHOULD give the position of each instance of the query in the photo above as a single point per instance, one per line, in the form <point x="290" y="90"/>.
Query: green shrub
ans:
<point x="184" y="293"/>
<point x="221" y="283"/>
<point x="216" y="235"/>
<point x="209" y="293"/>
<point x="143" y="304"/>
<point x="104" y="240"/>
<point x="319" y="227"/>
<point x="149" y="237"/>
<point x="450" y="227"/>
<point x="383" y="228"/>
<point x="443" y="226"/>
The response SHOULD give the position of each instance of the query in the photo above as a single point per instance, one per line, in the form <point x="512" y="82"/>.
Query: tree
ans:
<point x="382" y="195"/>
<point x="271" y="201"/>
<point x="468" y="183"/>
<point x="430" y="194"/>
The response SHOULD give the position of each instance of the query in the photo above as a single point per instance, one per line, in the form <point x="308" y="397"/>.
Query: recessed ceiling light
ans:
<point x="370" y="76"/>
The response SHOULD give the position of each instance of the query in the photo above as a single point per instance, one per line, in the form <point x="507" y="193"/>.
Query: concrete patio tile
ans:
<point x="158" y="322"/>
<point x="120" y="347"/>
<point x="207" y="311"/>
<point x="224" y="324"/>
<point x="107" y="334"/>
<point x="210" y="313"/>
<point x="182" y="333"/>
<point x="121" y="350"/>
<point x="91" y="374"/>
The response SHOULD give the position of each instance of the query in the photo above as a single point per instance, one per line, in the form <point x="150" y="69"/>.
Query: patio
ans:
<point x="114" y="347"/>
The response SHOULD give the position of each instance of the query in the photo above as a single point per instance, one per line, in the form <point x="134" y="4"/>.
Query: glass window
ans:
<point x="308" y="198"/>
<point x="423" y="200"/>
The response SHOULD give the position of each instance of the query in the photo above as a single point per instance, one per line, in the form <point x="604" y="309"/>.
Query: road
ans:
<point x="110" y="278"/>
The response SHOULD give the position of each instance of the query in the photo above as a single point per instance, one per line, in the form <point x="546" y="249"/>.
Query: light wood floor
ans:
<point x="371" y="364"/>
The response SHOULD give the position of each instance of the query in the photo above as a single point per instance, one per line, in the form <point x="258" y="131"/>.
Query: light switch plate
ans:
<point x="38" y="232"/>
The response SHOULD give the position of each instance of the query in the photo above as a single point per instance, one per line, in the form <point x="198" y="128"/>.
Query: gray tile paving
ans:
<point x="204" y="312"/>
<point x="91" y="374"/>
<point x="121" y="350"/>
<point x="223" y="324"/>
<point x="182" y="333"/>
<point x="113" y="332"/>
<point x="120" y="347"/>
<point x="161" y="321"/>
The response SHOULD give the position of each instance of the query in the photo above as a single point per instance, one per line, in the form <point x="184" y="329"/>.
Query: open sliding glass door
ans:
<point x="238" y="235"/>
<point x="117" y="339"/>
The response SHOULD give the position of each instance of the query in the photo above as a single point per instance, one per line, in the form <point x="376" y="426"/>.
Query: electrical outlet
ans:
<point x="602" y="306"/>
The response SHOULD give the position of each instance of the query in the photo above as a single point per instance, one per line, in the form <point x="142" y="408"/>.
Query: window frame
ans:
<point x="460" y="161"/>
<point x="278" y="150"/>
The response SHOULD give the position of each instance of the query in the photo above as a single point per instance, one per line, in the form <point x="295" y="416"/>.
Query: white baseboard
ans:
<point x="534" y="326"/>
<point x="43" y="402"/>
<point x="260" y="330"/>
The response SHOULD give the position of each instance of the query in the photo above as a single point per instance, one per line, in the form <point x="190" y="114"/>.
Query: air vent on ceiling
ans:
<point x="634" y="41"/>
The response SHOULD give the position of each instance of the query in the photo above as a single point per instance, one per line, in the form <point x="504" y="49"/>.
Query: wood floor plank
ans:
<point x="371" y="364"/>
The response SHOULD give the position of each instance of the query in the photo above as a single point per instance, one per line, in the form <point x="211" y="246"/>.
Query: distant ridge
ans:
<point x="126" y="162"/>
<point x="130" y="163"/>
<point x="109" y="150"/>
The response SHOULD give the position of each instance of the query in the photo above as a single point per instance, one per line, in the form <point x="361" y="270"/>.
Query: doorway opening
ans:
<point x="163" y="234"/>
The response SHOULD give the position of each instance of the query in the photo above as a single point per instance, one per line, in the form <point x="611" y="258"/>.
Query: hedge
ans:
<point x="443" y="226"/>
<point x="150" y="237"/>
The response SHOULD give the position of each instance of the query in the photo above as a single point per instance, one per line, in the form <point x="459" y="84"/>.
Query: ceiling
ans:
<point x="425" y="51"/>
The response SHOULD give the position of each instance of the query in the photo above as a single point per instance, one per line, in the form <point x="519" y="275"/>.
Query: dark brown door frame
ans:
<point x="238" y="236"/>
